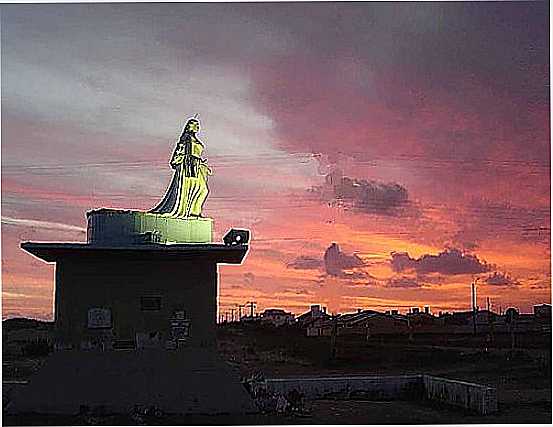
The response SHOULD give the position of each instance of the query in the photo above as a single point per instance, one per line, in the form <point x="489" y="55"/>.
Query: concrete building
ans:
<point x="135" y="296"/>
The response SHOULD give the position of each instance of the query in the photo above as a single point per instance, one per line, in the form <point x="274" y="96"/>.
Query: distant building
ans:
<point x="277" y="317"/>
<point x="424" y="322"/>
<point x="542" y="312"/>
<point x="485" y="317"/>
<point x="394" y="312"/>
<point x="315" y="312"/>
<point x="458" y="318"/>
<point x="313" y="320"/>
<point x="369" y="322"/>
<point x="250" y="319"/>
<point x="462" y="321"/>
<point x="362" y="322"/>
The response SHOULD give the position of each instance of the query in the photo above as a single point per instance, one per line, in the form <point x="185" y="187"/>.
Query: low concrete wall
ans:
<point x="374" y="388"/>
<point x="474" y="397"/>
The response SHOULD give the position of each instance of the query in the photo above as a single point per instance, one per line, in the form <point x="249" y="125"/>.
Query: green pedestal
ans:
<point x="113" y="227"/>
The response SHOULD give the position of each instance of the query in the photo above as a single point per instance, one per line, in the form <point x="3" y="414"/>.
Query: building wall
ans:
<point x="119" y="284"/>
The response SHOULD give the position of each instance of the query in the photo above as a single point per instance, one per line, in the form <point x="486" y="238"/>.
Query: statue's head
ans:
<point x="192" y="126"/>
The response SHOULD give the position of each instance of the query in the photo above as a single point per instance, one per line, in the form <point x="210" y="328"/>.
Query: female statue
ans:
<point x="188" y="189"/>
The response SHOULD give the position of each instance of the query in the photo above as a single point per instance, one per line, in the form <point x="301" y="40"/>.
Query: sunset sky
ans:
<point x="416" y="136"/>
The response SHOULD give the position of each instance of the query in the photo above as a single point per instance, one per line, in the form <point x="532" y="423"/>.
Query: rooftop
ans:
<point x="216" y="252"/>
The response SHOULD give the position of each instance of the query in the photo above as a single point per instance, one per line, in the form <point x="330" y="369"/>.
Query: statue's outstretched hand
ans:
<point x="177" y="160"/>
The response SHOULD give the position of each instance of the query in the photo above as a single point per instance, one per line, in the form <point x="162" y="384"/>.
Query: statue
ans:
<point x="177" y="218"/>
<point x="188" y="189"/>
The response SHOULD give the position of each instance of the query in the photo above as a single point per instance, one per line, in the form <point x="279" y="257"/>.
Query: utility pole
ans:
<point x="490" y="321"/>
<point x="474" y="307"/>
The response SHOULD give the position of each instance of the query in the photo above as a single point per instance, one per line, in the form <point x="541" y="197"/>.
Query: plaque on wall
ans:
<point x="99" y="318"/>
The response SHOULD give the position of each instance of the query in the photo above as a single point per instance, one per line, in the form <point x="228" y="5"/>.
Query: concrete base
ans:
<point x="189" y="381"/>
<point x="406" y="387"/>
<point x="120" y="227"/>
<point x="473" y="397"/>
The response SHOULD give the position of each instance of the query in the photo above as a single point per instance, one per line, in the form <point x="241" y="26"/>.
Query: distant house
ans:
<point x="465" y="317"/>
<point x="485" y="317"/>
<point x="318" y="326"/>
<point x="277" y="317"/>
<point x="251" y="319"/>
<point x="370" y="322"/>
<point x="542" y="313"/>
<point x="424" y="322"/>
<point x="458" y="318"/>
<point x="462" y="321"/>
<point x="361" y="322"/>
<point x="488" y="321"/>
<point x="313" y="320"/>
<point x="315" y="312"/>
<point x="530" y="323"/>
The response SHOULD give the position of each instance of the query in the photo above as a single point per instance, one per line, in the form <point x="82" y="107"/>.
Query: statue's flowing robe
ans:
<point x="188" y="189"/>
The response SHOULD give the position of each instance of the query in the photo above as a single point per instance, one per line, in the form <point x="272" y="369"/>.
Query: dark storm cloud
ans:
<point x="430" y="39"/>
<point x="354" y="75"/>
<point x="367" y="196"/>
<point x="448" y="262"/>
<point x="442" y="87"/>
<point x="336" y="261"/>
<point x="501" y="279"/>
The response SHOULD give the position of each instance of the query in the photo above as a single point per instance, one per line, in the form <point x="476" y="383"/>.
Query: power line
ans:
<point x="271" y="156"/>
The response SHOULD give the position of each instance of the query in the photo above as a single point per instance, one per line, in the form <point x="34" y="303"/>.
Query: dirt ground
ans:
<point x="521" y="377"/>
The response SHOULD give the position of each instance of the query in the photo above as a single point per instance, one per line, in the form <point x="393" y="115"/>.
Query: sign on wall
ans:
<point x="99" y="318"/>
